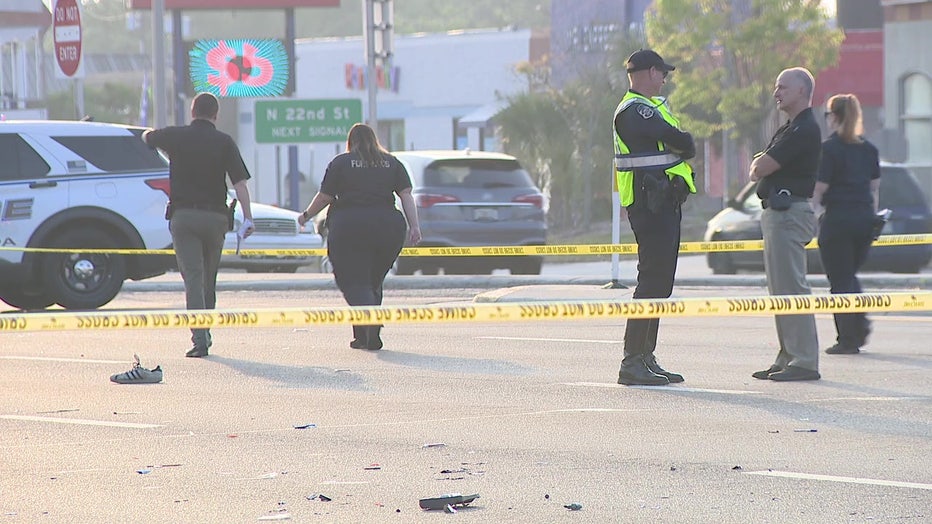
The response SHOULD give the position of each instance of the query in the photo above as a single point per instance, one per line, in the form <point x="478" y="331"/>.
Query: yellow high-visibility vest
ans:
<point x="625" y="162"/>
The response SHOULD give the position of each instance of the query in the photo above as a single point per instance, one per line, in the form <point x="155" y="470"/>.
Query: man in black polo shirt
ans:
<point x="786" y="174"/>
<point x="201" y="159"/>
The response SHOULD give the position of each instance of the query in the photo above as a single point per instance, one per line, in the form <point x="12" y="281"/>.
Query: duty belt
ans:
<point x="629" y="162"/>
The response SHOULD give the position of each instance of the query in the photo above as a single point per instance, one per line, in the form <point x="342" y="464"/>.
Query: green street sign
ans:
<point x="300" y="121"/>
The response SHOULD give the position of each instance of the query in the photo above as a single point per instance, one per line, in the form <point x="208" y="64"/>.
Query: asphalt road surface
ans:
<point x="527" y="415"/>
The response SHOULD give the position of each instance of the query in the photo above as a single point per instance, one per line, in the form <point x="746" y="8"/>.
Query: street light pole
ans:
<point x="368" y="16"/>
<point x="378" y="28"/>
<point x="159" y="107"/>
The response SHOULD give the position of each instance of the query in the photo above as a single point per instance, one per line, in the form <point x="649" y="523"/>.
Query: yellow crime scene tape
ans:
<point x="472" y="251"/>
<point x="504" y="312"/>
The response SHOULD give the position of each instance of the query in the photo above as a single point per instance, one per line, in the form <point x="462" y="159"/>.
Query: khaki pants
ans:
<point x="198" y="239"/>
<point x="786" y="234"/>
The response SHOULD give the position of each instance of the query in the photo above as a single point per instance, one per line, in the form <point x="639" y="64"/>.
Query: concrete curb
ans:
<point x="314" y="281"/>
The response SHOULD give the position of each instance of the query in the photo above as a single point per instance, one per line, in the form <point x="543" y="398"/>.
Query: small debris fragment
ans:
<point x="324" y="498"/>
<point x="434" y="445"/>
<point x="305" y="426"/>
<point x="546" y="496"/>
<point x="372" y="467"/>
<point x="143" y="471"/>
<point x="774" y="431"/>
<point x="805" y="430"/>
<point x="280" y="516"/>
<point x="447" y="499"/>
<point x="312" y="496"/>
<point x="573" y="507"/>
<point x="57" y="411"/>
<point x="737" y="468"/>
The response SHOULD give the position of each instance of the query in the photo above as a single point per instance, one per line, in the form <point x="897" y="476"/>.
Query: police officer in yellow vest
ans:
<point x="653" y="182"/>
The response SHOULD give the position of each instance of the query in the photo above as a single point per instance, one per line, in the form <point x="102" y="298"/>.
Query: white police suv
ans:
<point x="78" y="185"/>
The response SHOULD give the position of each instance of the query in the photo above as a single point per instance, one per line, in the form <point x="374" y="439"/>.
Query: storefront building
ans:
<point x="438" y="91"/>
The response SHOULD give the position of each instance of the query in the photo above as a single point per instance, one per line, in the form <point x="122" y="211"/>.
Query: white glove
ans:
<point x="245" y="229"/>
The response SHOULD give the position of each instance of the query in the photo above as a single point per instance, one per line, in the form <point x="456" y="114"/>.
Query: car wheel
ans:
<point x="325" y="265"/>
<point x="721" y="264"/>
<point x="23" y="300"/>
<point x="83" y="280"/>
<point x="531" y="266"/>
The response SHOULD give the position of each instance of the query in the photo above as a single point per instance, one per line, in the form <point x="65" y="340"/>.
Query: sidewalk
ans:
<point x="529" y="284"/>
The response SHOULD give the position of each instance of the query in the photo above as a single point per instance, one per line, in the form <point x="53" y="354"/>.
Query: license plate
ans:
<point x="485" y="214"/>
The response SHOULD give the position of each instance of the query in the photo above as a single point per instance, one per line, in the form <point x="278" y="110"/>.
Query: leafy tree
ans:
<point x="564" y="136"/>
<point x="534" y="130"/>
<point x="731" y="51"/>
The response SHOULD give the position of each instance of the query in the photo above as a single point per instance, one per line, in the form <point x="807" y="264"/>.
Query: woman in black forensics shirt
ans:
<point x="848" y="186"/>
<point x="366" y="230"/>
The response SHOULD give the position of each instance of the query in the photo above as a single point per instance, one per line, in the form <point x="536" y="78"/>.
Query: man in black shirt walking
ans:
<point x="201" y="159"/>
<point x="786" y="174"/>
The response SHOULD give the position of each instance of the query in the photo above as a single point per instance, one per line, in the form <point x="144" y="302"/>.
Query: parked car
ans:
<point x="472" y="198"/>
<point x="276" y="228"/>
<point x="899" y="192"/>
<point x="78" y="185"/>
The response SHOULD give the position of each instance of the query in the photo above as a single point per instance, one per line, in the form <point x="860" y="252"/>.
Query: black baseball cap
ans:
<point x="646" y="59"/>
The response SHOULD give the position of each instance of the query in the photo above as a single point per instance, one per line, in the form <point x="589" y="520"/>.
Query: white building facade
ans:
<point x="438" y="92"/>
<point x="908" y="80"/>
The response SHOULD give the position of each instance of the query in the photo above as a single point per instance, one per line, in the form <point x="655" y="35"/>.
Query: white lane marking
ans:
<point x="848" y="480"/>
<point x="663" y="388"/>
<point x="867" y="399"/>
<point x="587" y="341"/>
<point x="74" y="360"/>
<point x="83" y="422"/>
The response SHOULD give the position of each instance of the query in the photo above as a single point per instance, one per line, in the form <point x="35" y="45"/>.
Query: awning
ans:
<point x="480" y="117"/>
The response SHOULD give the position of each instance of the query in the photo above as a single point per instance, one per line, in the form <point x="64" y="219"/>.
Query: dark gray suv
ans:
<point x="472" y="198"/>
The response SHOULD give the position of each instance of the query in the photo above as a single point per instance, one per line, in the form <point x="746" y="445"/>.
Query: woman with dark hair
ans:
<point x="366" y="230"/>
<point x="847" y="190"/>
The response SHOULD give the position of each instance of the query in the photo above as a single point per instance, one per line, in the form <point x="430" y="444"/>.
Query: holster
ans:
<point x="232" y="209"/>
<point x="680" y="189"/>
<point x="655" y="186"/>
<point x="779" y="199"/>
<point x="169" y="210"/>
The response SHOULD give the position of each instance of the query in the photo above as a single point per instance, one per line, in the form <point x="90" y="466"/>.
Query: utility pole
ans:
<point x="159" y="108"/>
<point x="378" y="30"/>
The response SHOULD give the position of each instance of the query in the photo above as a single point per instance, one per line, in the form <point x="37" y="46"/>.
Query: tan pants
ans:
<point x="786" y="234"/>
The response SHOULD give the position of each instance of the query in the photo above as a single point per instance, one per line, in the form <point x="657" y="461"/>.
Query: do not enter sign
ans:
<point x="67" y="35"/>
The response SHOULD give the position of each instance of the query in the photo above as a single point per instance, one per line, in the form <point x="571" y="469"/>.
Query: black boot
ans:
<point x="360" y="337"/>
<point x="654" y="367"/>
<point x="374" y="340"/>
<point x="634" y="372"/>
